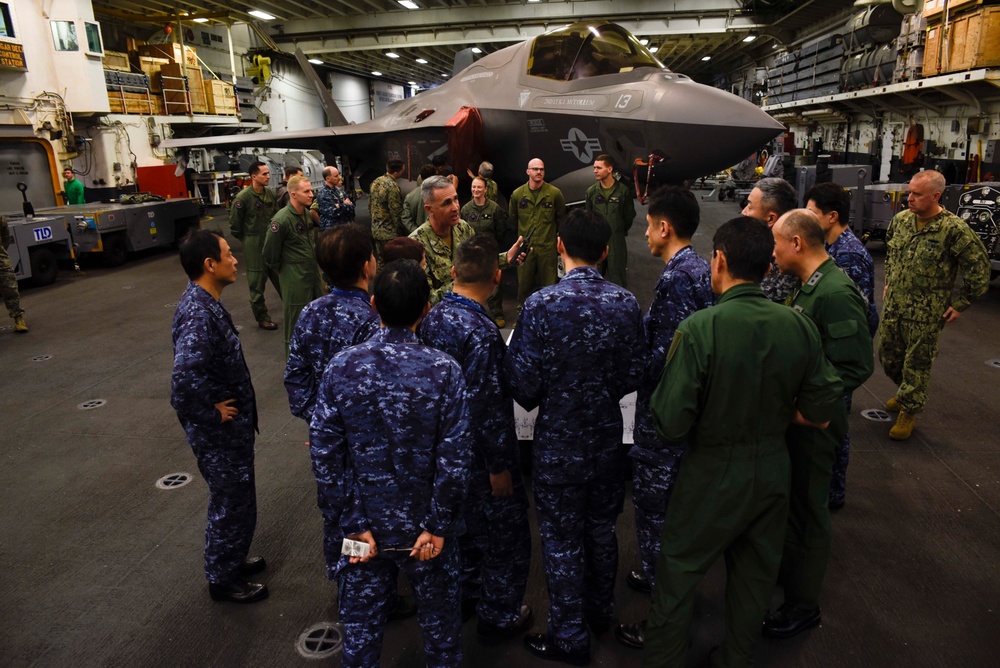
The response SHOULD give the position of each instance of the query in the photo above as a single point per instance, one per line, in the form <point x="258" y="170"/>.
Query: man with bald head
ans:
<point x="833" y="302"/>
<point x="771" y="198"/>
<point x="926" y="246"/>
<point x="332" y="206"/>
<point x="537" y="208"/>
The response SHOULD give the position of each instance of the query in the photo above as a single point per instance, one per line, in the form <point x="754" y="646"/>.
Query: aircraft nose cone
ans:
<point x="703" y="129"/>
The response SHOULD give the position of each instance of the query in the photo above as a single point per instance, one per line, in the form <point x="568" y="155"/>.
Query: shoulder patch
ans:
<point x="274" y="226"/>
<point x="239" y="204"/>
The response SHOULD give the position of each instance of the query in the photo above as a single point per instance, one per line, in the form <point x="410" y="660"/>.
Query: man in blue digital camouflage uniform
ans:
<point x="496" y="548"/>
<point x="215" y="403"/>
<point x="332" y="206"/>
<point x="685" y="286"/>
<point x="343" y="318"/>
<point x="576" y="351"/>
<point x="392" y="453"/>
<point x="770" y="199"/>
<point x="832" y="205"/>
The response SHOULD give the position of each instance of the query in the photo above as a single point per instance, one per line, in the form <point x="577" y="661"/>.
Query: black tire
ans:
<point x="722" y="194"/>
<point x="115" y="249"/>
<point x="44" y="266"/>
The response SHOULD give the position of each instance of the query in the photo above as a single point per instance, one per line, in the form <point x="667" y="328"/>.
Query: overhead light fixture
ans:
<point x="411" y="83"/>
<point x="534" y="0"/>
<point x="476" y="49"/>
<point x="390" y="54"/>
<point x="315" y="61"/>
<point x="421" y="61"/>
<point x="654" y="49"/>
<point x="200" y="20"/>
<point x="749" y="38"/>
<point x="644" y="41"/>
<point x="707" y="58"/>
<point x="409" y="4"/>
<point x="376" y="73"/>
<point x="263" y="16"/>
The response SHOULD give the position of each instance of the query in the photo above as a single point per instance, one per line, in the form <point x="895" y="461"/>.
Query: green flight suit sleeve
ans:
<point x="512" y="210"/>
<point x="560" y="204"/>
<point x="675" y="400"/>
<point x="274" y="239"/>
<point x="846" y="343"/>
<point x="237" y="213"/>
<point x="821" y="388"/>
<point x="974" y="262"/>
<point x="628" y="206"/>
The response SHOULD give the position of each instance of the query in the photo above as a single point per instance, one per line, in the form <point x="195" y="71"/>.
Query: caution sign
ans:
<point x="12" y="56"/>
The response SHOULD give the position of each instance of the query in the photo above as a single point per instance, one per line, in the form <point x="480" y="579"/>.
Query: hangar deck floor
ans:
<point x="98" y="567"/>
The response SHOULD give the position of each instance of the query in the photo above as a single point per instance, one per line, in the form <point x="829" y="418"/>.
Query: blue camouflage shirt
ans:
<point x="326" y="326"/>
<point x="209" y="368"/>
<point x="576" y="351"/>
<point x="854" y="260"/>
<point x="462" y="328"/>
<point x="685" y="286"/>
<point x="390" y="440"/>
<point x="332" y="207"/>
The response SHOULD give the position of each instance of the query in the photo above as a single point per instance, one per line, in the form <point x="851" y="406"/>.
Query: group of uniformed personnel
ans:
<point x="411" y="418"/>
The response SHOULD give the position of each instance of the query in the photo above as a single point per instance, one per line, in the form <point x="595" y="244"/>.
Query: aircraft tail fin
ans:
<point x="463" y="59"/>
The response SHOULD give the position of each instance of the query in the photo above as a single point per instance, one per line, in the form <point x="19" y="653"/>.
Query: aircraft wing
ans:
<point x="315" y="138"/>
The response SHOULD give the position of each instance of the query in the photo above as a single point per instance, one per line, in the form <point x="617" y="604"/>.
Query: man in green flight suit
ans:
<point x="486" y="217"/>
<point x="613" y="200"/>
<point x="737" y="375"/>
<point x="445" y="231"/>
<point x="833" y="302"/>
<point x="252" y="211"/>
<point x="290" y="249"/>
<point x="385" y="204"/>
<point x="537" y="208"/>
<point x="926" y="246"/>
<point x="74" y="189"/>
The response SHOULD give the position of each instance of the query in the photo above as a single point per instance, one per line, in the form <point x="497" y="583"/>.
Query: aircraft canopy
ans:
<point x="580" y="51"/>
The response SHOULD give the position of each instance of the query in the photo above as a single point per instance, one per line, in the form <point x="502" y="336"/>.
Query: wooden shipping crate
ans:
<point x="972" y="41"/>
<point x="221" y="98"/>
<point x="934" y="9"/>
<point x="199" y="101"/>
<point x="116" y="60"/>
<point x="171" y="51"/>
<point x="174" y="87"/>
<point x="132" y="103"/>
<point x="150" y="66"/>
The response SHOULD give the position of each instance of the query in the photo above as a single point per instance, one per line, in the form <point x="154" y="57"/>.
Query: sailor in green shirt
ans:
<point x="251" y="212"/>
<point x="833" y="302"/>
<point x="443" y="232"/>
<point x="74" y="189"/>
<point x="537" y="208"/>
<point x="290" y="249"/>
<point x="487" y="217"/>
<point x="737" y="375"/>
<point x="613" y="200"/>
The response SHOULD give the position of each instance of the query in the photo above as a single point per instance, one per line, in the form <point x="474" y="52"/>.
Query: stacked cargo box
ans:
<point x="961" y="35"/>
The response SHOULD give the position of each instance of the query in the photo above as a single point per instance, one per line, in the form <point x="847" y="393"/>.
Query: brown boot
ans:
<point x="20" y="326"/>
<point x="892" y="405"/>
<point x="903" y="428"/>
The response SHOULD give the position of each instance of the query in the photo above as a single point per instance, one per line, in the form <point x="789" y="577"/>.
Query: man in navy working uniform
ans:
<point x="576" y="351"/>
<point x="216" y="405"/>
<point x="685" y="286"/>
<point x="496" y="548"/>
<point x="327" y="325"/>
<point x="392" y="453"/>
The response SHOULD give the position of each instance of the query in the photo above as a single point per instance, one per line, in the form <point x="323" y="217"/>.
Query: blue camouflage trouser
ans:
<point x="232" y="507"/>
<point x="838" y="484"/>
<point x="579" y="553"/>
<point x="651" y="488"/>
<point x="496" y="549"/>
<point x="366" y="592"/>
